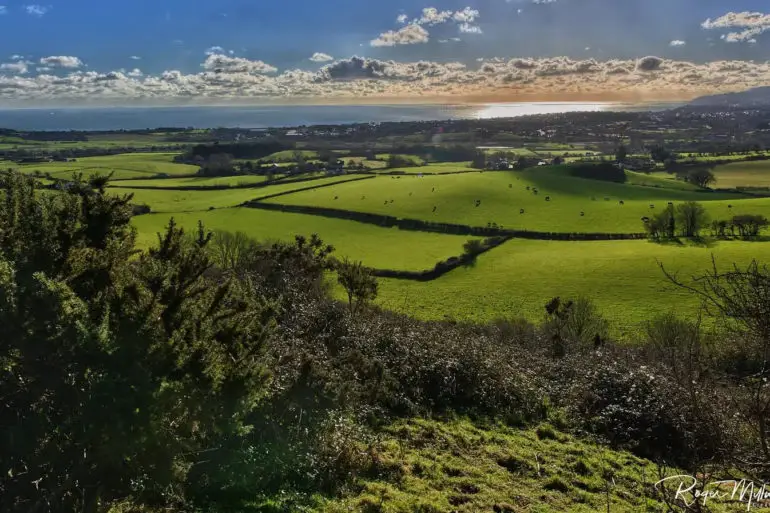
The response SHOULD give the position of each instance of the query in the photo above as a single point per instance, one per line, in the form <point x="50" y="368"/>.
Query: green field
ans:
<point x="503" y="194"/>
<point x="123" y="166"/>
<point x="520" y="277"/>
<point x="195" y="181"/>
<point x="743" y="174"/>
<point x="376" y="247"/>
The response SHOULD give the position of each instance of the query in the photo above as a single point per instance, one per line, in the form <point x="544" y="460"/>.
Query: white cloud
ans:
<point x="402" y="18"/>
<point x="677" y="42"/>
<point x="61" y="61"/>
<point x="408" y="35"/>
<point x="467" y="15"/>
<point x="135" y="58"/>
<point x="228" y="79"/>
<point x="19" y="67"/>
<point x="36" y="10"/>
<point x="470" y="29"/>
<point x="3" y="10"/>
<point x="321" y="57"/>
<point x="219" y="63"/>
<point x="752" y="23"/>
<point x="215" y="50"/>
<point x="432" y="16"/>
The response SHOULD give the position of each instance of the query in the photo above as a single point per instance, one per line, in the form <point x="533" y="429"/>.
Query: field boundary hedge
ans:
<point x="443" y="267"/>
<point x="428" y="226"/>
<point x="284" y="193"/>
<point x="259" y="185"/>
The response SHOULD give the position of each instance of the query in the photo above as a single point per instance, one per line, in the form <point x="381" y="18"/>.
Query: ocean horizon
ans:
<point x="261" y="117"/>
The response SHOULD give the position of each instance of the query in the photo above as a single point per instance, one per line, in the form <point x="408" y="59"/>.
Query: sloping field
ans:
<point x="743" y="174"/>
<point x="520" y="277"/>
<point x="376" y="247"/>
<point x="194" y="181"/>
<point x="557" y="206"/>
<point x="126" y="165"/>
<point x="191" y="201"/>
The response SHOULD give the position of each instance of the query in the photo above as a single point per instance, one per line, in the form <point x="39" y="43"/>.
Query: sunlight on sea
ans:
<point x="512" y="110"/>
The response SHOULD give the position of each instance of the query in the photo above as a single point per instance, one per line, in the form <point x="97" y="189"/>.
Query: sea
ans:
<point x="261" y="117"/>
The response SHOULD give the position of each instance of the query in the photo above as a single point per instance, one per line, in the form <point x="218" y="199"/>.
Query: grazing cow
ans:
<point x="729" y="206"/>
<point x="528" y="187"/>
<point x="391" y="201"/>
<point x="645" y="219"/>
<point x="622" y="202"/>
<point x="548" y="198"/>
<point x="336" y="197"/>
<point x="670" y="204"/>
<point x="434" y="209"/>
<point x="652" y="206"/>
<point x="521" y="211"/>
<point x="433" y="190"/>
<point x="386" y="202"/>
<point x="582" y="214"/>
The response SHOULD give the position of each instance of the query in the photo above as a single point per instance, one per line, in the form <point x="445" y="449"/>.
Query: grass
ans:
<point x="743" y="174"/>
<point x="195" y="201"/>
<point x="456" y="465"/>
<point x="520" y="277"/>
<point x="123" y="166"/>
<point x="288" y="156"/>
<point x="195" y="181"/>
<point x="376" y="247"/>
<point x="504" y="193"/>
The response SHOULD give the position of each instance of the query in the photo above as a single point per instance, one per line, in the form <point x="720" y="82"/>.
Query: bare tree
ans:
<point x="231" y="250"/>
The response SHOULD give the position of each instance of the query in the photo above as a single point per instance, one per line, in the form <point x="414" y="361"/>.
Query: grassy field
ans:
<point x="460" y="466"/>
<point x="376" y="247"/>
<point x="743" y="174"/>
<point x="127" y="165"/>
<point x="518" y="278"/>
<point x="504" y="194"/>
<point x="195" y="181"/>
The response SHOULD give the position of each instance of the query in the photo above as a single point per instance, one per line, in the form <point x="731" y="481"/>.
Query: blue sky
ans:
<point x="148" y="38"/>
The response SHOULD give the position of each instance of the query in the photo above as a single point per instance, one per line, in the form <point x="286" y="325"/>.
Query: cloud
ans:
<point x="408" y="35"/>
<point x="20" y="67"/>
<point x="3" y="10"/>
<point x="61" y="61"/>
<point x="752" y="23"/>
<point x="36" y="10"/>
<point x="135" y="58"/>
<point x="432" y="16"/>
<point x="215" y="50"/>
<point x="321" y="57"/>
<point x="402" y="18"/>
<point x="226" y="79"/>
<point x="220" y="63"/>
<point x="677" y="42"/>
<point x="470" y="29"/>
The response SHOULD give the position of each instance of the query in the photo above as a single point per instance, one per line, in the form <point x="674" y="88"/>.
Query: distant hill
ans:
<point x="759" y="96"/>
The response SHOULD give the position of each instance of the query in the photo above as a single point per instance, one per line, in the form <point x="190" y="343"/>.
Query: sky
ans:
<point x="174" y="52"/>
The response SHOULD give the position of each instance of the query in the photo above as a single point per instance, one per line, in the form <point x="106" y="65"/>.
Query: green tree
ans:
<point x="119" y="374"/>
<point x="621" y="154"/>
<point x="358" y="282"/>
<point x="702" y="177"/>
<point x="691" y="218"/>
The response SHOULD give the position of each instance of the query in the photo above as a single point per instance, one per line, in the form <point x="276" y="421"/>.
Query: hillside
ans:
<point x="750" y="98"/>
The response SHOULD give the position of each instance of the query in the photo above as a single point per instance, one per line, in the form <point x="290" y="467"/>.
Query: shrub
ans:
<point x="604" y="171"/>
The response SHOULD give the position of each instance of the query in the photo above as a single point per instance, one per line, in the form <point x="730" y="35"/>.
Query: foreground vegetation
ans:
<point x="213" y="375"/>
